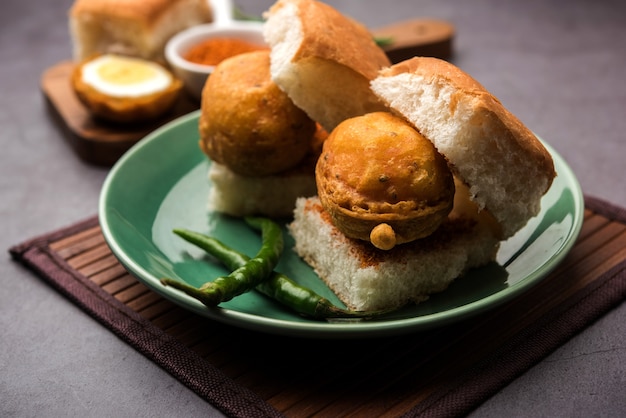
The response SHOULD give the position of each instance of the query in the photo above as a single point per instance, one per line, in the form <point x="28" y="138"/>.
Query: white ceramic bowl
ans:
<point x="194" y="75"/>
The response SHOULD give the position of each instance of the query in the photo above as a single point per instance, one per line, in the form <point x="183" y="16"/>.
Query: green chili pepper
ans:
<point x="383" y="41"/>
<point x="278" y="287"/>
<point x="226" y="255"/>
<point x="239" y="14"/>
<point x="247" y="275"/>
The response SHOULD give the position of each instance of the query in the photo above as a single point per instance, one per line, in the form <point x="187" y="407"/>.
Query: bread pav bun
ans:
<point x="248" y="123"/>
<point x="377" y="170"/>
<point x="323" y="59"/>
<point x="505" y="166"/>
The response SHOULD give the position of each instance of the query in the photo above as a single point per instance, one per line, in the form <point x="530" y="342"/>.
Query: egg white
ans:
<point x="142" y="77"/>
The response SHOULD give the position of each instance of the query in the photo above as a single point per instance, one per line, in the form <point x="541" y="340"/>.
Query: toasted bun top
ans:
<point x="146" y="12"/>
<point x="328" y="34"/>
<point x="323" y="60"/>
<point x="506" y="167"/>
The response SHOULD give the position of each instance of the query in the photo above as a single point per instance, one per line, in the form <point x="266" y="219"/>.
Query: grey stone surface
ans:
<point x="558" y="65"/>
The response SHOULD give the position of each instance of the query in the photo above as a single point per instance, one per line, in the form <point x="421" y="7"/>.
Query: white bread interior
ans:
<point x="365" y="278"/>
<point x="323" y="60"/>
<point x="138" y="28"/>
<point x="506" y="167"/>
<point x="272" y="195"/>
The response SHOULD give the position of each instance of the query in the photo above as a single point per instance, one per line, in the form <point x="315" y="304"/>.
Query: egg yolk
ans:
<point x="121" y="76"/>
<point x="125" y="72"/>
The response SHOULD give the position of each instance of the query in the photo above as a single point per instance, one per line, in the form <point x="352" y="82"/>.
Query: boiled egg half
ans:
<point x="125" y="76"/>
<point x="123" y="88"/>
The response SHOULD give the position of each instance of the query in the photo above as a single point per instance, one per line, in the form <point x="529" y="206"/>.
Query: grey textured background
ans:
<point x="558" y="65"/>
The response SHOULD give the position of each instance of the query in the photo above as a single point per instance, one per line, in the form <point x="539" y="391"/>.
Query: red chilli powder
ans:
<point x="215" y="50"/>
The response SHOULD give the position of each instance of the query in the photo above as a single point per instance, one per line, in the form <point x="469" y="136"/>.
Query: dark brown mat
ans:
<point x="443" y="372"/>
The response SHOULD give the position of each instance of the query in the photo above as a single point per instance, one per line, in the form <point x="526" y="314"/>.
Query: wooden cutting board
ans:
<point x="97" y="141"/>
<point x="417" y="37"/>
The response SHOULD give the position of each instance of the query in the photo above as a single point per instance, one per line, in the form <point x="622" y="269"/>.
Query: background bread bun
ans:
<point x="137" y="28"/>
<point x="323" y="60"/>
<point x="506" y="167"/>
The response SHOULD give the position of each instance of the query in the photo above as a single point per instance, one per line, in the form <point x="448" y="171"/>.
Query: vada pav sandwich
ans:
<point x="263" y="121"/>
<point x="396" y="220"/>
<point x="262" y="147"/>
<point x="422" y="175"/>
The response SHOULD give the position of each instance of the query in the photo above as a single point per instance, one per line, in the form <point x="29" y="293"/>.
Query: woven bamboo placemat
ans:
<point x="443" y="372"/>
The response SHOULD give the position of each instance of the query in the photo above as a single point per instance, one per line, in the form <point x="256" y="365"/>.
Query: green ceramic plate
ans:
<point x="161" y="184"/>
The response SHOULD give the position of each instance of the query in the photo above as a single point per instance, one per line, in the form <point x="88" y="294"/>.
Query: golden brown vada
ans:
<point x="248" y="123"/>
<point x="382" y="181"/>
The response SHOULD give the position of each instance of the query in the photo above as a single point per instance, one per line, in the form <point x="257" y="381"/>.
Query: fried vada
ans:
<point x="248" y="123"/>
<point x="382" y="181"/>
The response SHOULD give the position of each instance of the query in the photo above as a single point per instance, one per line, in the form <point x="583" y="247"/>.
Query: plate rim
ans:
<point x="332" y="329"/>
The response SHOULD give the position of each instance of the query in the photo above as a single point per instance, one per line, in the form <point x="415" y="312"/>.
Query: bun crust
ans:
<point x="506" y="167"/>
<point x="323" y="60"/>
<point x="138" y="28"/>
